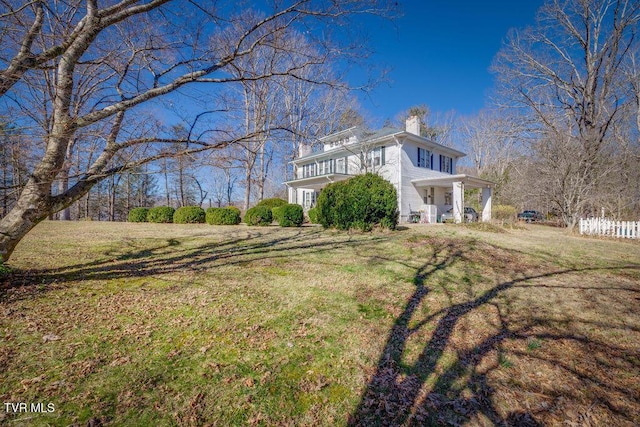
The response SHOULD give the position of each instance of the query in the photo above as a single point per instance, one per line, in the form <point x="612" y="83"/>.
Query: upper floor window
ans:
<point x="424" y="158"/>
<point x="374" y="157"/>
<point x="339" y="143"/>
<point x="309" y="170"/>
<point x="325" y="167"/>
<point x="377" y="156"/>
<point x="446" y="164"/>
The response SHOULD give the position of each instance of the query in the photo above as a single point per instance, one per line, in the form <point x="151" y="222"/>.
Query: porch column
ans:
<point x="458" y="201"/>
<point x="293" y="192"/>
<point x="486" y="204"/>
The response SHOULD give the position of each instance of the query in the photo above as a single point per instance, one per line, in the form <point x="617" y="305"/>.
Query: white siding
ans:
<point x="389" y="170"/>
<point x="400" y="171"/>
<point x="412" y="198"/>
<point x="339" y="143"/>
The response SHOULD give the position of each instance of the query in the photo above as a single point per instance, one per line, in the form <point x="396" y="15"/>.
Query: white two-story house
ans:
<point x="422" y="171"/>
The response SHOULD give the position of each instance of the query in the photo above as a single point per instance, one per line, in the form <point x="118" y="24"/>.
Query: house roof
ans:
<point x="447" y="180"/>
<point x="339" y="135"/>
<point x="377" y="138"/>
<point x="318" y="182"/>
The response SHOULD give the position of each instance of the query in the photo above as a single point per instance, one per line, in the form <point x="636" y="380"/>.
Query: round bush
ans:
<point x="313" y="215"/>
<point x="258" y="215"/>
<point x="208" y="217"/>
<point x="233" y="208"/>
<point x="289" y="215"/>
<point x="138" y="215"/>
<point x="361" y="202"/>
<point x="223" y="216"/>
<point x="189" y="215"/>
<point x="272" y="203"/>
<point x="161" y="214"/>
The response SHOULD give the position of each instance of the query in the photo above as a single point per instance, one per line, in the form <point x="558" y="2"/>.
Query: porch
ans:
<point x="303" y="191"/>
<point x="458" y="184"/>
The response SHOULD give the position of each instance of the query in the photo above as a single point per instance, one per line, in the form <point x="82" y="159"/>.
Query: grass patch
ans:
<point x="166" y="324"/>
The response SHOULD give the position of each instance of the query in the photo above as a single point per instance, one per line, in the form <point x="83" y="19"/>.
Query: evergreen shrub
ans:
<point x="289" y="215"/>
<point x="161" y="214"/>
<point x="272" y="203"/>
<point x="189" y="215"/>
<point x="208" y="216"/>
<point x="138" y="215"/>
<point x="258" y="215"/>
<point x="233" y="208"/>
<point x="361" y="202"/>
<point x="313" y="215"/>
<point x="223" y="216"/>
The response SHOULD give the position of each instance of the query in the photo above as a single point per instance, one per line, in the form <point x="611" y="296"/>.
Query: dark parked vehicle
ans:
<point x="530" y="216"/>
<point x="470" y="215"/>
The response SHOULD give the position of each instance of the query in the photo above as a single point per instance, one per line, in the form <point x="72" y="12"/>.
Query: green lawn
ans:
<point x="154" y="324"/>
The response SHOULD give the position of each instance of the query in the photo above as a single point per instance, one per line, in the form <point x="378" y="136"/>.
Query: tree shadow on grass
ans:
<point x="448" y="383"/>
<point x="176" y="257"/>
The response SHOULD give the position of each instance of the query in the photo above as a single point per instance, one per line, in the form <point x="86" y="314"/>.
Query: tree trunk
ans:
<point x="261" y="174"/>
<point x="87" y="205"/>
<point x="247" y="190"/>
<point x="229" y="186"/>
<point x="166" y="183"/>
<point x="127" y="203"/>
<point x="32" y="207"/>
<point x="112" y="199"/>
<point x="63" y="186"/>
<point x="183" y="202"/>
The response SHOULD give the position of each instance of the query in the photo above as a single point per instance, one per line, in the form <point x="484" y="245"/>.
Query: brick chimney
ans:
<point x="304" y="150"/>
<point x="412" y="125"/>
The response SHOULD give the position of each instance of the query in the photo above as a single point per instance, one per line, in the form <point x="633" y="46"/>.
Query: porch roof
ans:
<point x="317" y="182"/>
<point x="447" y="181"/>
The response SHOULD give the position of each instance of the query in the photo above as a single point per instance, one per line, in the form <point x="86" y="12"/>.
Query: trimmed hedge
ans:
<point x="272" y="203"/>
<point x="161" y="214"/>
<point x="233" y="208"/>
<point x="361" y="202"/>
<point x="313" y="215"/>
<point x="289" y="215"/>
<point x="223" y="216"/>
<point x="138" y="215"/>
<point x="258" y="215"/>
<point x="189" y="215"/>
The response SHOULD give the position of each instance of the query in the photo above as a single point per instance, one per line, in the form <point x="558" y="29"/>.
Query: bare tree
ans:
<point x="567" y="72"/>
<point x="13" y="167"/>
<point x="492" y="139"/>
<point x="138" y="51"/>
<point x="225" y="174"/>
<point x="312" y="111"/>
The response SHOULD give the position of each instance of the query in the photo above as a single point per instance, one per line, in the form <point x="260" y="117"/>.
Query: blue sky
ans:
<point x="440" y="52"/>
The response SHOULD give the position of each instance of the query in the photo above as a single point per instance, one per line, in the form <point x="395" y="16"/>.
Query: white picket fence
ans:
<point x="609" y="228"/>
